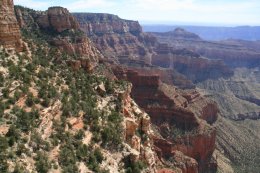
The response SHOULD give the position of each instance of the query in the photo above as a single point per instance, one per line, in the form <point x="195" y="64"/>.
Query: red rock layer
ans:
<point x="120" y="39"/>
<point x="180" y="117"/>
<point x="10" y="36"/>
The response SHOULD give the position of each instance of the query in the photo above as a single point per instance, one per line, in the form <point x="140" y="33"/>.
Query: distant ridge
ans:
<point x="251" y="33"/>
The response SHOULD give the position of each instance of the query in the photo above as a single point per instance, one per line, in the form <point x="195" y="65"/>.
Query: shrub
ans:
<point x="25" y="120"/>
<point x="45" y="102"/>
<point x="13" y="135"/>
<point x="42" y="164"/>
<point x="5" y="92"/>
<point x="98" y="155"/>
<point x="30" y="100"/>
<point x="82" y="152"/>
<point x="3" y="158"/>
<point x="1" y="80"/>
<point x="67" y="156"/>
<point x="133" y="167"/>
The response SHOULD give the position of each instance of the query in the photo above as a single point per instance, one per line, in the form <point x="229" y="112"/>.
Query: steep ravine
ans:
<point x="238" y="97"/>
<point x="238" y="128"/>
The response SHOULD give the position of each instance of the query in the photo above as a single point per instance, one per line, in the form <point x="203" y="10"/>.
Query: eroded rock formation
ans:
<point x="123" y="40"/>
<point x="181" y="118"/>
<point x="58" y="19"/>
<point x="10" y="36"/>
<point x="64" y="33"/>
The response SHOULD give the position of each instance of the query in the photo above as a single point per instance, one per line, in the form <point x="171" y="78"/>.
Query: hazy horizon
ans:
<point x="188" y="12"/>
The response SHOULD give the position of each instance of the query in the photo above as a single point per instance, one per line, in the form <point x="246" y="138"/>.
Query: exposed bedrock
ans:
<point x="10" y="36"/>
<point x="180" y="117"/>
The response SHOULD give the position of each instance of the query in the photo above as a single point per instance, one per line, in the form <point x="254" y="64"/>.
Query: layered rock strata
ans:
<point x="123" y="40"/>
<point x="181" y="118"/>
<point x="10" y="36"/>
<point x="115" y="37"/>
<point x="235" y="53"/>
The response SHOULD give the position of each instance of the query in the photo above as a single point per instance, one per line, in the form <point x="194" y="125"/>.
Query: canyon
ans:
<point x="189" y="114"/>
<point x="172" y="110"/>
<point x="185" y="104"/>
<point x="237" y="95"/>
<point x="123" y="40"/>
<point x="216" y="68"/>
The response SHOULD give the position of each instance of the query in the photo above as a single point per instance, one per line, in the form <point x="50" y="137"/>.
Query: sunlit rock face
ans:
<point x="115" y="37"/>
<point x="10" y="36"/>
<point x="59" y="19"/>
<point x="182" y="118"/>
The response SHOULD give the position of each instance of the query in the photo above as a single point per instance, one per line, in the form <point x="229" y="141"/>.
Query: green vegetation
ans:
<point x="32" y="88"/>
<point x="133" y="167"/>
<point x="42" y="164"/>
<point x="3" y="154"/>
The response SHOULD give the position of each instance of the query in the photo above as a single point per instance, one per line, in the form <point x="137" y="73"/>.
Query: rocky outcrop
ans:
<point x="187" y="164"/>
<point x="58" y="19"/>
<point x="62" y="31"/>
<point x="10" y="36"/>
<point x="136" y="120"/>
<point x="178" y="116"/>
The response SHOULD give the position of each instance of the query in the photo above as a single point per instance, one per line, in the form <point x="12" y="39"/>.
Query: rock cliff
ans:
<point x="10" y="36"/>
<point x="123" y="40"/>
<point x="180" y="117"/>
<point x="58" y="19"/>
<point x="115" y="37"/>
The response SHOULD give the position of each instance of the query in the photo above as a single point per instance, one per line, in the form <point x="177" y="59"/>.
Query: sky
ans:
<point x="194" y="12"/>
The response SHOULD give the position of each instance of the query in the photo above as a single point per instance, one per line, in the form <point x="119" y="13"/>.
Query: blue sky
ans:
<point x="201" y="12"/>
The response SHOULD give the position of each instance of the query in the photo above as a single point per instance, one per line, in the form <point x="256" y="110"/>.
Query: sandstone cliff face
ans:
<point x="115" y="37"/>
<point x="102" y="24"/>
<point x="178" y="117"/>
<point x="10" y="36"/>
